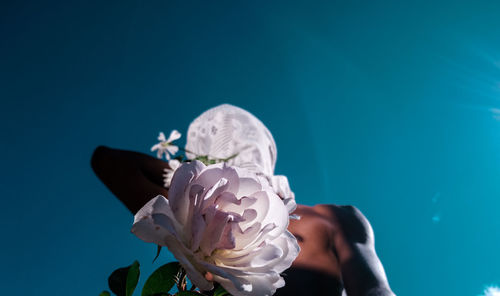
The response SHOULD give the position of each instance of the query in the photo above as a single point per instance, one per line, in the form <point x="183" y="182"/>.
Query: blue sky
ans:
<point x="386" y="106"/>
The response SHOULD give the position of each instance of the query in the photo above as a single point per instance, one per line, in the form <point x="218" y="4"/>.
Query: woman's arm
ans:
<point x="362" y="271"/>
<point x="133" y="177"/>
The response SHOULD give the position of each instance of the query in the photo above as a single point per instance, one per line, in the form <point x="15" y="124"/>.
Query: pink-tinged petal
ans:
<point x="249" y="215"/>
<point x="264" y="284"/>
<point x="261" y="205"/>
<point x="209" y="213"/>
<point x="247" y="218"/>
<point x="231" y="280"/>
<point x="215" y="191"/>
<point x="196" y="194"/>
<point x="174" y="135"/>
<point x="256" y="285"/>
<point x="209" y="177"/>
<point x="160" y="237"/>
<point x="276" y="256"/>
<point x="161" y="137"/>
<point x="276" y="214"/>
<point x="194" y="271"/>
<point x="266" y="254"/>
<point x="226" y="240"/>
<point x="180" y="181"/>
<point x="154" y="221"/>
<point x="261" y="259"/>
<point x="194" y="197"/>
<point x="233" y="179"/>
<point x="261" y="236"/>
<point x="229" y="203"/>
<point x="147" y="231"/>
<point x="198" y="228"/>
<point x="243" y="238"/>
<point x="248" y="186"/>
<point x="157" y="205"/>
<point x="172" y="149"/>
<point x="215" y="172"/>
<point x="165" y="222"/>
<point x="214" y="232"/>
<point x="241" y="283"/>
<point x="288" y="243"/>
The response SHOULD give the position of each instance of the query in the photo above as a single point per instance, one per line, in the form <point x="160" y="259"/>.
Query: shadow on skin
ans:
<point x="303" y="281"/>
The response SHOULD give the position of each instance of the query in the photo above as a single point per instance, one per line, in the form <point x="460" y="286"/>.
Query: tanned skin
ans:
<point x="337" y="242"/>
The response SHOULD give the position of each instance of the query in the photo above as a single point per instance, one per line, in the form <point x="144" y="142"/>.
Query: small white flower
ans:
<point x="168" y="173"/>
<point x="165" y="145"/>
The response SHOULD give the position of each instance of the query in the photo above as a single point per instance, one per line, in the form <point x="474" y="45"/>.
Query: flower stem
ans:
<point x="209" y="157"/>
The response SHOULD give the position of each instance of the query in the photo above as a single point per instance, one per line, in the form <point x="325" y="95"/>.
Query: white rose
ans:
<point x="223" y="220"/>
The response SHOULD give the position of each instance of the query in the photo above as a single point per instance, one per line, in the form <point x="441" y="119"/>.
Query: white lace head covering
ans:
<point x="226" y="130"/>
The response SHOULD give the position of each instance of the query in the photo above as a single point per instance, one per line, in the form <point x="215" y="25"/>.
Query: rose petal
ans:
<point x="214" y="233"/>
<point x="248" y="186"/>
<point x="230" y="203"/>
<point x="252" y="236"/>
<point x="241" y="283"/>
<point x="215" y="191"/>
<point x="180" y="181"/>
<point x="214" y="173"/>
<point x="193" y="270"/>
<point x="275" y="213"/>
<point x="154" y="221"/>
<point x="229" y="280"/>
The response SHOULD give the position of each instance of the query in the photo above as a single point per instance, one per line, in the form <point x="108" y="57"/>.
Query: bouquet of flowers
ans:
<point x="226" y="216"/>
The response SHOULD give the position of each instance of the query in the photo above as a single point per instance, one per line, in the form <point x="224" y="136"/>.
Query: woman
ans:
<point x="337" y="244"/>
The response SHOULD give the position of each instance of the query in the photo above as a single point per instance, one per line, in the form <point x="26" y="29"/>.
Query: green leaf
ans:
<point x="122" y="281"/>
<point x="161" y="280"/>
<point x="132" y="278"/>
<point x="104" y="293"/>
<point x="220" y="291"/>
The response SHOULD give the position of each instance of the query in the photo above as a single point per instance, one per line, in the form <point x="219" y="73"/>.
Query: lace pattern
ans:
<point x="226" y="130"/>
